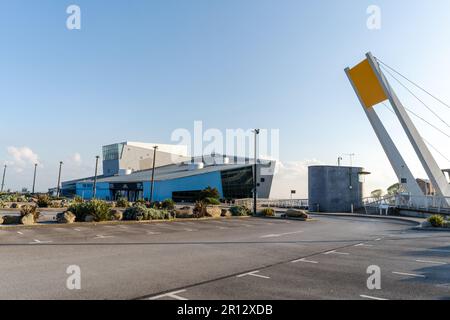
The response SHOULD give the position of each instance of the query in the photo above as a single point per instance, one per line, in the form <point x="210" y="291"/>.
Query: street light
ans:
<point x="58" y="190"/>
<point x="152" y="184"/>
<point x="3" y="180"/>
<point x="255" y="184"/>
<point x="94" y="191"/>
<point x="34" y="178"/>
<point x="339" y="161"/>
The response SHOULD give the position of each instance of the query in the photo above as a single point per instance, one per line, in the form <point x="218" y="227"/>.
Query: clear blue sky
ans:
<point x="137" y="70"/>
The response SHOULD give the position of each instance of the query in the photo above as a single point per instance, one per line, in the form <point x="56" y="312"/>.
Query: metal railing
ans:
<point x="272" y="203"/>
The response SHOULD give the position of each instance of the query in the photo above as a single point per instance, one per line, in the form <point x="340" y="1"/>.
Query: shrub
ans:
<point x="212" y="201"/>
<point x="78" y="199"/>
<point x="99" y="209"/>
<point x="43" y="201"/>
<point x="199" y="208"/>
<point x="122" y="203"/>
<point x="135" y="213"/>
<point x="2" y="205"/>
<point x="168" y="204"/>
<point x="209" y="193"/>
<point x="25" y="210"/>
<point x="239" y="211"/>
<point x="436" y="221"/>
<point x="268" y="212"/>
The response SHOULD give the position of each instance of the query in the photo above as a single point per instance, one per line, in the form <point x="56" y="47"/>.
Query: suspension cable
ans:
<point x="426" y="141"/>
<point x="415" y="84"/>
<point x="415" y="96"/>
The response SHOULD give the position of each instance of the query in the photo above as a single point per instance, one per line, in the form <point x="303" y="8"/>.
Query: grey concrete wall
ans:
<point x="334" y="189"/>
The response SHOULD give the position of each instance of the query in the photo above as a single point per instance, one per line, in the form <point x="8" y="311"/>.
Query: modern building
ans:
<point x="335" y="188"/>
<point x="127" y="172"/>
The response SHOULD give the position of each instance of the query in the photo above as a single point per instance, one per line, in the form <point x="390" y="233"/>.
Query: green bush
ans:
<point x="268" y="212"/>
<point x="209" y="193"/>
<point x="2" y="205"/>
<point x="140" y="212"/>
<point x="99" y="209"/>
<point x="168" y="204"/>
<point x="122" y="203"/>
<point x="43" y="201"/>
<point x="240" y="211"/>
<point x="25" y="210"/>
<point x="436" y="221"/>
<point x="212" y="201"/>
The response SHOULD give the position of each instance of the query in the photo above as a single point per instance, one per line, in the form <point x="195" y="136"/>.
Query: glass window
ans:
<point x="237" y="183"/>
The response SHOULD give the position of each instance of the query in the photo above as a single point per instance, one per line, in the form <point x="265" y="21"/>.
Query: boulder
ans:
<point x="89" y="218"/>
<point x="185" y="212"/>
<point x="213" y="211"/>
<point x="225" y="213"/>
<point x="28" y="219"/>
<point x="294" y="213"/>
<point x="11" y="219"/>
<point x="116" y="215"/>
<point x="65" y="217"/>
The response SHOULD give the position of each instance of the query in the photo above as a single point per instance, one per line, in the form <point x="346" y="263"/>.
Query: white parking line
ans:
<point x="36" y="241"/>
<point x="336" y="252"/>
<point x="280" y="235"/>
<point x="77" y="229"/>
<point x="153" y="232"/>
<point x="363" y="245"/>
<point x="304" y="260"/>
<point x="409" y="274"/>
<point x="253" y="274"/>
<point x="189" y="230"/>
<point x="378" y="239"/>
<point x="100" y="236"/>
<point x="173" y="295"/>
<point x="431" y="262"/>
<point x="20" y="232"/>
<point x="373" y="298"/>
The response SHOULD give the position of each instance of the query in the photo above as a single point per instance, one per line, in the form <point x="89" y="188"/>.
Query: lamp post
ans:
<point x="58" y="190"/>
<point x="34" y="177"/>
<point x="351" y="155"/>
<point x="94" y="191"/>
<point x="152" y="184"/>
<point x="255" y="184"/>
<point x="3" y="180"/>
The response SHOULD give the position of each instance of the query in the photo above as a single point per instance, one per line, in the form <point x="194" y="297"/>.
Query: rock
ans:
<point x="11" y="219"/>
<point x="14" y="206"/>
<point x="89" y="218"/>
<point x="28" y="219"/>
<point x="225" y="213"/>
<point x="65" y="217"/>
<point x="294" y="213"/>
<point x="116" y="215"/>
<point x="213" y="211"/>
<point x="1" y="220"/>
<point x="185" y="212"/>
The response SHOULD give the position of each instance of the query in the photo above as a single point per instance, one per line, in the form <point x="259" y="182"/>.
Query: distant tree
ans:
<point x="377" y="194"/>
<point x="209" y="193"/>
<point x="394" y="189"/>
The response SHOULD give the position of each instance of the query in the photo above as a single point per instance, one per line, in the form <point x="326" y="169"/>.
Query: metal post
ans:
<point x="255" y="176"/>
<point x="94" y="191"/>
<point x="152" y="184"/>
<point x="34" y="177"/>
<point x="58" y="190"/>
<point x="3" y="180"/>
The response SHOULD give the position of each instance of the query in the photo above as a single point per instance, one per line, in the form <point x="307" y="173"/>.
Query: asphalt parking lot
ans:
<point x="249" y="258"/>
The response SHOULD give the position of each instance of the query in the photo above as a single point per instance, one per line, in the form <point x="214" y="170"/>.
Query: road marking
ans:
<point x="304" y="260"/>
<point x="409" y="274"/>
<point x="36" y="241"/>
<point x="431" y="262"/>
<point x="373" y="298"/>
<point x="20" y="232"/>
<point x="100" y="236"/>
<point x="280" y="235"/>
<point x="223" y="228"/>
<point x="189" y="230"/>
<point x="76" y="229"/>
<point x="378" y="239"/>
<point x="253" y="274"/>
<point x="336" y="252"/>
<point x="153" y="232"/>
<point x="363" y="245"/>
<point x="173" y="295"/>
